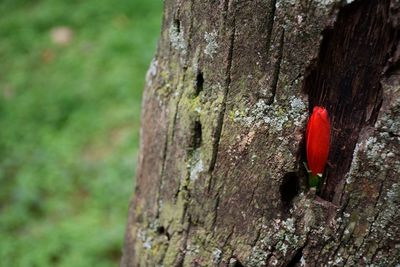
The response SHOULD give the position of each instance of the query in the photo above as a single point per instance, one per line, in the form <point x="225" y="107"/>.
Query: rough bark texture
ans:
<point x="220" y="179"/>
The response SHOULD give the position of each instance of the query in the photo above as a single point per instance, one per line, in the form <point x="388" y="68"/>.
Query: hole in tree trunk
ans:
<point x="289" y="189"/>
<point x="295" y="261"/>
<point x="199" y="83"/>
<point x="161" y="231"/>
<point x="197" y="135"/>
<point x="233" y="262"/>
<point x="177" y="25"/>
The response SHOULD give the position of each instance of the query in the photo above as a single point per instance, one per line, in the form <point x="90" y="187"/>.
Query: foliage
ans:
<point x="69" y="116"/>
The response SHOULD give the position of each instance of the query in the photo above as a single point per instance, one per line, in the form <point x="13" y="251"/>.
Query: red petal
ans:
<point x="318" y="140"/>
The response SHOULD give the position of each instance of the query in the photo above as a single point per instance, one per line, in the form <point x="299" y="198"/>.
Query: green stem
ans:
<point x="313" y="180"/>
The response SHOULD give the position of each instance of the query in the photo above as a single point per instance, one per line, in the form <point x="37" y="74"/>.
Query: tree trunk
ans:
<point x="221" y="181"/>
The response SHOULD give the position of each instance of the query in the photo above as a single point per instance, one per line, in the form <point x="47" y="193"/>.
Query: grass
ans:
<point x="69" y="118"/>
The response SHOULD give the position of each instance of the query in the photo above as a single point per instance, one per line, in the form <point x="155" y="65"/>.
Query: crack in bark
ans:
<point x="296" y="257"/>
<point x="343" y="191"/>
<point x="295" y="79"/>
<point x="165" y="252"/>
<point x="164" y="159"/>
<point x="253" y="192"/>
<point x="346" y="260"/>
<point x="271" y="252"/>
<point x="339" y="245"/>
<point x="181" y="257"/>
<point x="375" y="253"/>
<point x="301" y="248"/>
<point x="258" y="235"/>
<point x="221" y="115"/>
<point x="270" y="25"/>
<point x="228" y="237"/>
<point x="273" y="247"/>
<point x="215" y="212"/>
<point x="176" y="111"/>
<point x="190" y="34"/>
<point x="277" y="67"/>
<point x="225" y="243"/>
<point x="391" y="134"/>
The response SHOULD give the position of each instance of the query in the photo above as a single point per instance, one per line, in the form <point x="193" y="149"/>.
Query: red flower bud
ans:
<point x="318" y="140"/>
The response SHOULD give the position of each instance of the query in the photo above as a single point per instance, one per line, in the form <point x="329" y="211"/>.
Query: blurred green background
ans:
<point x="71" y="77"/>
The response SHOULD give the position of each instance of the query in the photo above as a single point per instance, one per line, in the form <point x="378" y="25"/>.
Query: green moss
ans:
<point x="174" y="249"/>
<point x="170" y="80"/>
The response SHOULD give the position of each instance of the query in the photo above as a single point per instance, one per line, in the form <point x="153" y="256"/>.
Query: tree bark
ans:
<point x="220" y="180"/>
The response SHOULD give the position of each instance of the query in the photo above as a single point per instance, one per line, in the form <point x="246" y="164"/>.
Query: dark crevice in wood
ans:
<point x="270" y="25"/>
<point x="217" y="261"/>
<point x="170" y="134"/>
<point x="295" y="79"/>
<point x="289" y="189"/>
<point x="186" y="197"/>
<point x="177" y="193"/>
<point x="258" y="235"/>
<point x="393" y="69"/>
<point x="197" y="135"/>
<point x="190" y="35"/>
<point x="295" y="261"/>
<point x="215" y="213"/>
<point x="271" y="252"/>
<point x="162" y="231"/>
<point x="163" y="160"/>
<point x="277" y="68"/>
<point x="376" y="252"/>
<point x="391" y="134"/>
<point x="226" y="241"/>
<point x="234" y="262"/>
<point x="199" y="83"/>
<point x="346" y="79"/>
<point x="218" y="129"/>
<point x="346" y="259"/>
<point x="341" y="242"/>
<point x="225" y="12"/>
<point x="177" y="25"/>
<point x="373" y="257"/>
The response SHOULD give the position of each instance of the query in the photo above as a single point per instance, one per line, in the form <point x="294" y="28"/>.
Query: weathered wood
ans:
<point x="220" y="180"/>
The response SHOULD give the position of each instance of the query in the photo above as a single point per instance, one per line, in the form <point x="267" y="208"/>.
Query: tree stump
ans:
<point x="220" y="179"/>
